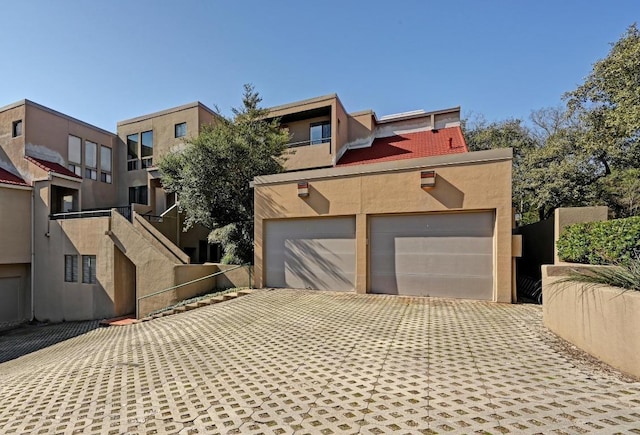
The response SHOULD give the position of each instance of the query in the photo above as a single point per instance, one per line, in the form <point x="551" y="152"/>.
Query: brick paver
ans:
<point x="285" y="361"/>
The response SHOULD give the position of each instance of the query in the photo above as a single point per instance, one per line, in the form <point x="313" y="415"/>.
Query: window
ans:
<point x="67" y="203"/>
<point x="320" y="132"/>
<point x="105" y="164"/>
<point x="71" y="268"/>
<point x="74" y="155"/>
<point x="91" y="160"/>
<point x="16" y="128"/>
<point x="132" y="152"/>
<point x="181" y="129"/>
<point x="138" y="194"/>
<point x="89" y="269"/>
<point x="146" y="149"/>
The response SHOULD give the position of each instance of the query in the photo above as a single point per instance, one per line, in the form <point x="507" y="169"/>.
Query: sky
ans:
<point x="103" y="61"/>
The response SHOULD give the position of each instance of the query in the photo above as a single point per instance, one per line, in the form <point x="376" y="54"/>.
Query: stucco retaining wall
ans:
<point x="603" y="321"/>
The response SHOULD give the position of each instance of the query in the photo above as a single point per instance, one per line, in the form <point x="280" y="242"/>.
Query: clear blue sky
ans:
<point x="109" y="60"/>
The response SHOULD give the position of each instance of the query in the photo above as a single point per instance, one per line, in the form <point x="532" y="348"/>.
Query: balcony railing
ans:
<point x="303" y="143"/>
<point x="124" y="211"/>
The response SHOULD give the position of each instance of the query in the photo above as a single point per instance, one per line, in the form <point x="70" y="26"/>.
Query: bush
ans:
<point x="626" y="276"/>
<point x="608" y="242"/>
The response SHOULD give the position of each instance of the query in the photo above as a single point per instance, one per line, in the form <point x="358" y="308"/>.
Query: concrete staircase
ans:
<point x="198" y="304"/>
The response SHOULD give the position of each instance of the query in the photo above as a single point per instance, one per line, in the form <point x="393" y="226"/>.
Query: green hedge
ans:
<point x="608" y="242"/>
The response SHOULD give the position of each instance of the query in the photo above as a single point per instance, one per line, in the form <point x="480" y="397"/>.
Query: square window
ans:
<point x="89" y="269"/>
<point x="75" y="150"/>
<point x="76" y="169"/>
<point x="71" y="268"/>
<point x="105" y="158"/>
<point x="146" y="142"/>
<point x="181" y="129"/>
<point x="105" y="177"/>
<point x="90" y="154"/>
<point x="320" y="132"/>
<point x="92" y="174"/>
<point x="16" y="129"/>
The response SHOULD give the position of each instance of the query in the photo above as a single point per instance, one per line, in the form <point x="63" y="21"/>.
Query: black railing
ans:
<point x="124" y="211"/>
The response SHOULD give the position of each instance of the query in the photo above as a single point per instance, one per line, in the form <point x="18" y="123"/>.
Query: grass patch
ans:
<point x="626" y="276"/>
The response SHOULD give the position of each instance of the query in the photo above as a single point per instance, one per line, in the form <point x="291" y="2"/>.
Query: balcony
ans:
<point x="303" y="143"/>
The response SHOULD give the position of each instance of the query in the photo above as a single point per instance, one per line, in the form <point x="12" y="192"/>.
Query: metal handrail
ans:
<point x="187" y="283"/>
<point x="124" y="210"/>
<point x="309" y="142"/>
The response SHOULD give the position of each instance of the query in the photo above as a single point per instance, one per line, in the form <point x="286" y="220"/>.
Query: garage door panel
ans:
<point x="311" y="253"/>
<point x="441" y="264"/>
<point x="469" y="287"/>
<point x="446" y="255"/>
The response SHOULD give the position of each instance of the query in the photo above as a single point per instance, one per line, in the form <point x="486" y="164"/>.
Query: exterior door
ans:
<point x="316" y="253"/>
<point x="443" y="254"/>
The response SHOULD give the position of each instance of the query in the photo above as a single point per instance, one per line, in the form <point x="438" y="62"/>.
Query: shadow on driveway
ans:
<point x="29" y="338"/>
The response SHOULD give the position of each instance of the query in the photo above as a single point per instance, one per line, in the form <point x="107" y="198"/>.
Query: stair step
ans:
<point x="198" y="304"/>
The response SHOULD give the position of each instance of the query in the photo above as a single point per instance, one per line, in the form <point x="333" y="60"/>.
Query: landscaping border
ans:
<point x="601" y="320"/>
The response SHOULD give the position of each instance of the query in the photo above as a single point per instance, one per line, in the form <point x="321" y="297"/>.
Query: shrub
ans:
<point x="608" y="242"/>
<point x="626" y="276"/>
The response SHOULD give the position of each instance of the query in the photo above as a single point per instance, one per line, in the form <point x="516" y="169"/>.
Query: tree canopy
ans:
<point x="587" y="153"/>
<point x="211" y="174"/>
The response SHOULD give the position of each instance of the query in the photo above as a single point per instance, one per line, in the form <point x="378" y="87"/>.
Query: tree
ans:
<point x="211" y="174"/>
<point x="585" y="154"/>
<point x="608" y="105"/>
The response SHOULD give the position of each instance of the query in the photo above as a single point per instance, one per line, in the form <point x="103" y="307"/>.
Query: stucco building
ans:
<point x="392" y="205"/>
<point x="86" y="228"/>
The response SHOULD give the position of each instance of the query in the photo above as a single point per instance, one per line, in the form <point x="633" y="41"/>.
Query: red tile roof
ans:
<point x="52" y="167"/>
<point x="7" y="177"/>
<point x="408" y="146"/>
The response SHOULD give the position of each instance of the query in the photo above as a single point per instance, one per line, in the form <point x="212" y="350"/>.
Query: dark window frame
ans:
<point x="323" y="138"/>
<point x="70" y="268"/>
<point x="16" y="128"/>
<point x="180" y="130"/>
<point x="91" y="267"/>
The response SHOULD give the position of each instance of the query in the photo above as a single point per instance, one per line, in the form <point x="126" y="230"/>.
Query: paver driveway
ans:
<point x="316" y="362"/>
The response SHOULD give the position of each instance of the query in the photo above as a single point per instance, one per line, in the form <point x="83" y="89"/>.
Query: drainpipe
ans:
<point x="33" y="249"/>
<point x="33" y="242"/>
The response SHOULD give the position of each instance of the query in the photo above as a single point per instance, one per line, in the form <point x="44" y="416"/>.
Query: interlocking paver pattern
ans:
<point x="305" y="362"/>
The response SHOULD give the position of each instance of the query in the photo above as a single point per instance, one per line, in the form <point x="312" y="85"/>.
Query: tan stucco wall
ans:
<point x="339" y="129"/>
<point x="163" y="127"/>
<point x="189" y="272"/>
<point x="309" y="156"/>
<point x="470" y="182"/>
<point x="159" y="241"/>
<point x="57" y="300"/>
<point x="12" y="148"/>
<point x="602" y="321"/>
<point x="236" y="278"/>
<point x="15" y="225"/>
<point x="51" y="131"/>
<point x="361" y="126"/>
<point x="301" y="130"/>
<point x="573" y="215"/>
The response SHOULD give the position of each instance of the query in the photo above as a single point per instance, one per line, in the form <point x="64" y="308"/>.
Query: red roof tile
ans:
<point x="408" y="146"/>
<point x="7" y="177"/>
<point x="52" y="167"/>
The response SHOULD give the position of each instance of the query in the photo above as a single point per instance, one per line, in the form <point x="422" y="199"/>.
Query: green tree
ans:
<point x="211" y="174"/>
<point x="608" y="106"/>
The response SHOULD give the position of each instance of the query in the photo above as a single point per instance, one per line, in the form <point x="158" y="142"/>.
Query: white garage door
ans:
<point x="445" y="255"/>
<point x="318" y="253"/>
